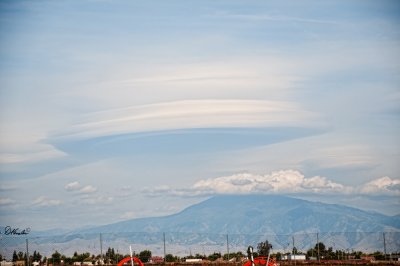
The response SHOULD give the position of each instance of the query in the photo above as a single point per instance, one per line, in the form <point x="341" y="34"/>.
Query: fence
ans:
<point x="185" y="244"/>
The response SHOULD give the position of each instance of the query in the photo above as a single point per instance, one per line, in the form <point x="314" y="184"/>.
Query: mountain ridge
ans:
<point x="245" y="219"/>
<point x="259" y="214"/>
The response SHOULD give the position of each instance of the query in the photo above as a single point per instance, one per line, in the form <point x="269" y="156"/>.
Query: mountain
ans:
<point x="230" y="221"/>
<point x="259" y="214"/>
<point x="250" y="219"/>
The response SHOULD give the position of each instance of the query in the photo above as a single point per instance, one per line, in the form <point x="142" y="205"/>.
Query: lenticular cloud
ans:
<point x="193" y="114"/>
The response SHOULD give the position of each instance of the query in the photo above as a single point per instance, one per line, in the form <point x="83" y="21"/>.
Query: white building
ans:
<point x="6" y="263"/>
<point x="294" y="257"/>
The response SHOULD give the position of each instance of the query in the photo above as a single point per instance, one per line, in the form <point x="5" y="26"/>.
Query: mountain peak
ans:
<point x="260" y="214"/>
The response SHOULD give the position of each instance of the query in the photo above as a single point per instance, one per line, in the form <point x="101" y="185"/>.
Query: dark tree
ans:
<point x="263" y="248"/>
<point x="36" y="256"/>
<point x="15" y="256"/>
<point x="20" y="255"/>
<point x="145" y="255"/>
<point x="171" y="258"/>
<point x="56" y="257"/>
<point x="214" y="256"/>
<point x="236" y="255"/>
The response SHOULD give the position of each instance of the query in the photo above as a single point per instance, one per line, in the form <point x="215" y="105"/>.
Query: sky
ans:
<point x="114" y="110"/>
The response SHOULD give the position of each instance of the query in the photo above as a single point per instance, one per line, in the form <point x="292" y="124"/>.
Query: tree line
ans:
<point x="319" y="251"/>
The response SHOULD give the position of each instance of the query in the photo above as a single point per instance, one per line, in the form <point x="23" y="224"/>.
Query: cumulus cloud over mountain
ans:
<point x="384" y="185"/>
<point x="283" y="181"/>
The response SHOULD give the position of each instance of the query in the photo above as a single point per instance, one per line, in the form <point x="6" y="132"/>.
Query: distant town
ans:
<point x="263" y="254"/>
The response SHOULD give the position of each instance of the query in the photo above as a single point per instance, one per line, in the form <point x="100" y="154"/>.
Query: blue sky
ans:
<point x="112" y="110"/>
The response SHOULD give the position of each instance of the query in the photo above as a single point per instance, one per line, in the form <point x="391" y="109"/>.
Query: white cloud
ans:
<point x="384" y="185"/>
<point x="88" y="189"/>
<point x="17" y="147"/>
<point x="7" y="187"/>
<point x="279" y="18"/>
<point x="76" y="186"/>
<point x="194" y="114"/>
<point x="6" y="201"/>
<point x="128" y="215"/>
<point x="42" y="201"/>
<point x="282" y="182"/>
<point x="73" y="186"/>
<point x="96" y="200"/>
<point x="126" y="188"/>
<point x="285" y="181"/>
<point x="336" y="155"/>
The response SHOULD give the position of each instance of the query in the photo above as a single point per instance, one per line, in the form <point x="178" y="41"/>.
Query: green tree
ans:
<point x="15" y="256"/>
<point x="83" y="256"/>
<point x="295" y="251"/>
<point x="378" y="255"/>
<point x="145" y="255"/>
<point x="171" y="258"/>
<point x="36" y="256"/>
<point x="110" y="255"/>
<point x="320" y="250"/>
<point x="75" y="257"/>
<point x="319" y="247"/>
<point x="67" y="260"/>
<point x="56" y="257"/>
<point x="238" y="255"/>
<point x="20" y="255"/>
<point x="214" y="256"/>
<point x="263" y="248"/>
<point x="278" y="256"/>
<point x="199" y="256"/>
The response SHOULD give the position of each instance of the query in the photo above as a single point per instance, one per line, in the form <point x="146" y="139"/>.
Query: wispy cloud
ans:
<point x="6" y="201"/>
<point x="30" y="156"/>
<point x="194" y="114"/>
<point x="88" y="189"/>
<point x="87" y="194"/>
<point x="76" y="186"/>
<point x="95" y="200"/>
<point x="284" y="181"/>
<point x="256" y="86"/>
<point x="128" y="215"/>
<point x="7" y="187"/>
<point x="276" y="18"/>
<point x="43" y="201"/>
<point x="73" y="186"/>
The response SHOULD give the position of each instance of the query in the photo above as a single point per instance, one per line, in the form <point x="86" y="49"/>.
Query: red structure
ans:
<point x="128" y="259"/>
<point x="261" y="261"/>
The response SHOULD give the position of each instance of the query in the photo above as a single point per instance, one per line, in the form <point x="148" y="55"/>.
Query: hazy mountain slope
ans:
<point x="260" y="214"/>
<point x="247" y="220"/>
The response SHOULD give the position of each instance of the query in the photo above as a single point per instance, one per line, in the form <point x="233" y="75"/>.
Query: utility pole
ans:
<point x="318" y="248"/>
<point x="293" y="245"/>
<point x="101" y="247"/>
<point x="384" y="244"/>
<point x="27" y="253"/>
<point x="227" y="245"/>
<point x="293" y="251"/>
<point x="164" y="247"/>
